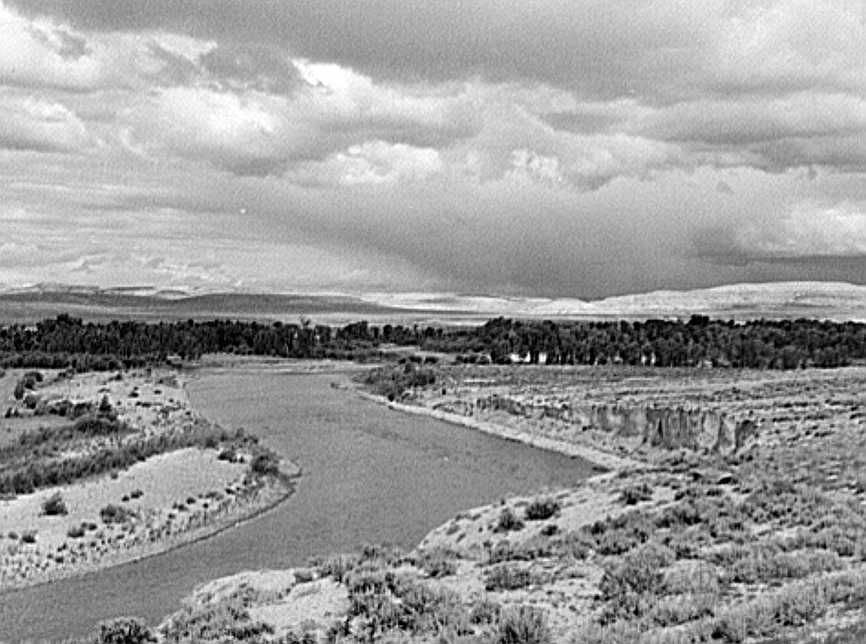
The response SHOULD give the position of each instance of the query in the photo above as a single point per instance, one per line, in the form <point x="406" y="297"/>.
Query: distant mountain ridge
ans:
<point x="773" y="299"/>
<point x="833" y="300"/>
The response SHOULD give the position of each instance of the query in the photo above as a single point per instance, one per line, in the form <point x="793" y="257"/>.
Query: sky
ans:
<point x="549" y="148"/>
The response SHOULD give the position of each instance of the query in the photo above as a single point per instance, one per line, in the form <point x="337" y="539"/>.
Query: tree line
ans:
<point x="66" y="341"/>
<point x="699" y="341"/>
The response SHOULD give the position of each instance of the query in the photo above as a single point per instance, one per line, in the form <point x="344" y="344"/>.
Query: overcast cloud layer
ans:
<point x="555" y="147"/>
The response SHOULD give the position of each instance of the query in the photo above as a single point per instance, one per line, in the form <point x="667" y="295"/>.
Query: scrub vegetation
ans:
<point x="764" y="541"/>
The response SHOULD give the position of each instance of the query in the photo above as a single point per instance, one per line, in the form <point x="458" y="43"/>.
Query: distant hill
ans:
<point x="833" y="300"/>
<point x="35" y="303"/>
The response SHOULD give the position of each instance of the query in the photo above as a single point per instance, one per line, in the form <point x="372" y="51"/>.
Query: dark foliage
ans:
<point x="507" y="521"/>
<point x="634" y="494"/>
<point x="523" y="625"/>
<point x="115" y="514"/>
<point x="266" y="463"/>
<point x="776" y="344"/>
<point x="32" y="464"/>
<point x="541" y="509"/>
<point x="124" y="630"/>
<point x="507" y="576"/>
<point x="392" y="382"/>
<point x="67" y="342"/>
<point x="630" y="585"/>
<point x="54" y="505"/>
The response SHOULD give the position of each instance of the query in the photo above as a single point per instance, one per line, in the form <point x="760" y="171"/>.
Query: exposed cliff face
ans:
<point x="665" y="427"/>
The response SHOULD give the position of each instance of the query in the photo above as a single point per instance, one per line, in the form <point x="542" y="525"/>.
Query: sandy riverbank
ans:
<point x="121" y="515"/>
<point x="597" y="456"/>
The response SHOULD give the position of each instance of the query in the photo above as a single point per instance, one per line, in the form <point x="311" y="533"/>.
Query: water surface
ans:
<point x="371" y="475"/>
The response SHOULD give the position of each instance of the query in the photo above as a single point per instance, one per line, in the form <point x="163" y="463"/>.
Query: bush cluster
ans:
<point x="54" y="505"/>
<point x="636" y="493"/>
<point x="24" y="473"/>
<point x="508" y="576"/>
<point x="508" y="521"/>
<point x="112" y="513"/>
<point x="541" y="509"/>
<point x="382" y="601"/>
<point x="124" y="630"/>
<point x="393" y="382"/>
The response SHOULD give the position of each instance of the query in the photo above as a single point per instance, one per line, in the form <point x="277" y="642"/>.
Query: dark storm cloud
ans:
<point x="610" y="49"/>
<point x="553" y="147"/>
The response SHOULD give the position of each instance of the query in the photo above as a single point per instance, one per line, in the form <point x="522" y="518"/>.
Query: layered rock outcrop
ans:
<point x="655" y="426"/>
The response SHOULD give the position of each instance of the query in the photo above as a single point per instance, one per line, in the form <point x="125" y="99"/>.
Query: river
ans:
<point x="370" y="475"/>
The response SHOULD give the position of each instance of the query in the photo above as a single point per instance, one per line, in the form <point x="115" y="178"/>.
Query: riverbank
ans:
<point x="136" y="543"/>
<point x="370" y="475"/>
<point x="765" y="539"/>
<point x="203" y="482"/>
<point x="603" y="460"/>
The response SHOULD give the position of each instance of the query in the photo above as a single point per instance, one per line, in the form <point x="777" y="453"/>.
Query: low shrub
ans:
<point x="523" y="625"/>
<point x="338" y="566"/>
<point x="616" y="633"/>
<point x="124" y="630"/>
<point x="105" y="407"/>
<point x="393" y="382"/>
<point x="485" y="611"/>
<point x="693" y="578"/>
<point x="54" y="505"/>
<point x="76" y="531"/>
<point x="265" y="463"/>
<point x="777" y="499"/>
<point x="507" y="576"/>
<point x="634" y="494"/>
<point x="381" y="600"/>
<point x="507" y="521"/>
<point x="533" y="548"/>
<point x="620" y="534"/>
<point x="629" y="587"/>
<point x="112" y="513"/>
<point x="575" y="543"/>
<point x="541" y="509"/>
<point x="679" y="609"/>
<point x="439" y="562"/>
<point x="228" y="454"/>
<point x="765" y="615"/>
<point x="227" y="620"/>
<point x="764" y="562"/>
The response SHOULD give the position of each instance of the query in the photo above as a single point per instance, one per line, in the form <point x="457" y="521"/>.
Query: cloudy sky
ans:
<point x="543" y="147"/>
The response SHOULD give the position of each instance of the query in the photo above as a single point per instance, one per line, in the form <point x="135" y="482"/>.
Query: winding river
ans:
<point x="370" y="475"/>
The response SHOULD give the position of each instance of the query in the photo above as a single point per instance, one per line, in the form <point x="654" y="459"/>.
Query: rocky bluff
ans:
<point x="656" y="426"/>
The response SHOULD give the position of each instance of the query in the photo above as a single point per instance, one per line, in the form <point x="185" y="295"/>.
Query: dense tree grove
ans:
<point x="763" y="344"/>
<point x="777" y="344"/>
<point x="68" y="342"/>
